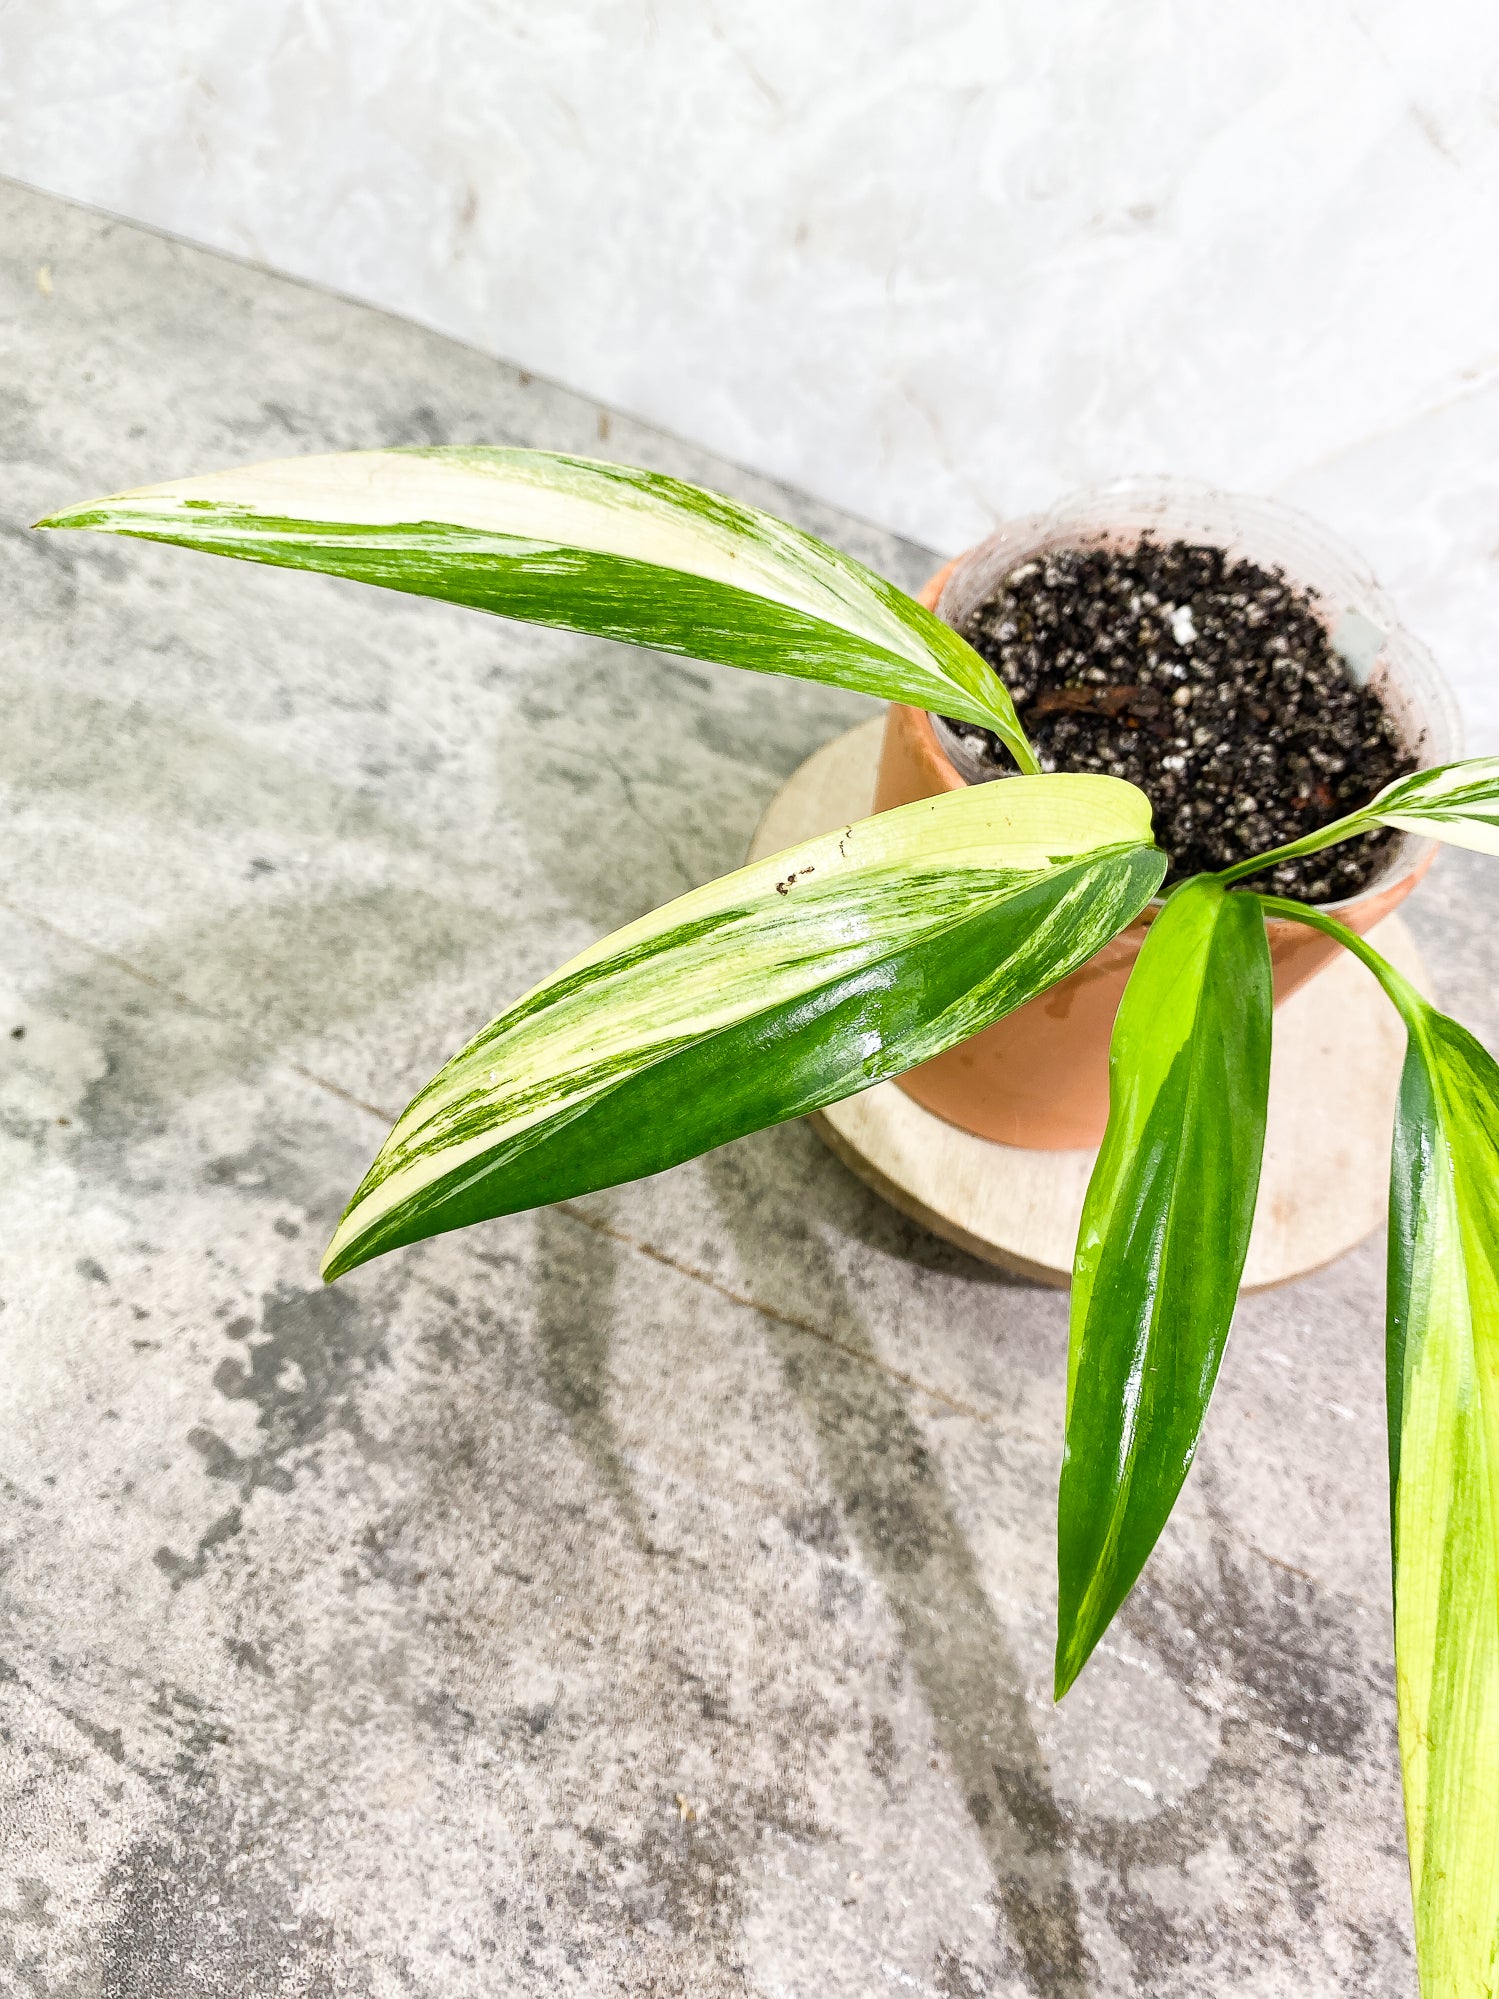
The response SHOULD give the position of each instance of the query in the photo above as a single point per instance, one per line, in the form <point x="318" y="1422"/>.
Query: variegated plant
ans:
<point x="806" y="978"/>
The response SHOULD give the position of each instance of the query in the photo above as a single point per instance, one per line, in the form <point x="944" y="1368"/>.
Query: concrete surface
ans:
<point x="652" y="1595"/>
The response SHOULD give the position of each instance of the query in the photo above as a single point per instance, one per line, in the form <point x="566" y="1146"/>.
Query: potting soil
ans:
<point x="1209" y="682"/>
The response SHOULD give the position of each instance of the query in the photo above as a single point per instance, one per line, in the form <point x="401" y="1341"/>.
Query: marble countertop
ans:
<point x="649" y="1595"/>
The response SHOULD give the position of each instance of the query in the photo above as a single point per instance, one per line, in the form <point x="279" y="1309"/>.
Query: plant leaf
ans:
<point x="1457" y="803"/>
<point x="1443" y="1379"/>
<point x="1161" y="1247"/>
<point x="770" y="992"/>
<point x="592" y="547"/>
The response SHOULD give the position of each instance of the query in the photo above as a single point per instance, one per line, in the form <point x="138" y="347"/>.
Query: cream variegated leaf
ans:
<point x="588" y="546"/>
<point x="1442" y="1384"/>
<point x="770" y="992"/>
<point x="1443" y="1368"/>
<point x="1457" y="803"/>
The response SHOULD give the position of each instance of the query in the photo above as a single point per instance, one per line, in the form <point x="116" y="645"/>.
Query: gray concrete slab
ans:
<point x="651" y="1595"/>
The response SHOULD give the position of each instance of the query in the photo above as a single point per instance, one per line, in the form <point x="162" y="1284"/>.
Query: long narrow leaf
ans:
<point x="769" y="993"/>
<point x="591" y="547"/>
<point x="1443" y="1367"/>
<point x="1442" y="1372"/>
<point x="1161" y="1247"/>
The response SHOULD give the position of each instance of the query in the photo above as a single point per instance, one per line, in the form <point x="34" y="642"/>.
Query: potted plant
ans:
<point x="1180" y="588"/>
<point x="858" y="955"/>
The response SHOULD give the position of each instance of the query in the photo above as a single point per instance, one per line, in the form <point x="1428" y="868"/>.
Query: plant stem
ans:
<point x="1399" y="990"/>
<point x="1347" y="828"/>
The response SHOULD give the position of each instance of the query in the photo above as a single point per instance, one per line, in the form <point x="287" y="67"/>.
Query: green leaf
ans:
<point x="1443" y="1376"/>
<point x="769" y="993"/>
<point x="1161" y="1247"/>
<point x="1457" y="803"/>
<point x="598" y="548"/>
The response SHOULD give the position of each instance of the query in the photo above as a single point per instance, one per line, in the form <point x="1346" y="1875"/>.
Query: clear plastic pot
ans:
<point x="1040" y="1076"/>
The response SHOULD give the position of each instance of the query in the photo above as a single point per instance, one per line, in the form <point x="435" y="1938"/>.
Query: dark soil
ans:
<point x="1209" y="683"/>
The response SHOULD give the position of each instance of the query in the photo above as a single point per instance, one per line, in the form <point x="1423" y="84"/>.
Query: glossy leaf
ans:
<point x="1161" y="1246"/>
<point x="592" y="547"/>
<point x="769" y="993"/>
<point x="1443" y="1372"/>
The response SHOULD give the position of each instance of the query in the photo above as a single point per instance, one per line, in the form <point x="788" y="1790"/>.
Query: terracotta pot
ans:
<point x="1040" y="1076"/>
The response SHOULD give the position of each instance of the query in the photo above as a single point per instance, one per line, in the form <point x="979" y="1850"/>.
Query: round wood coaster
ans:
<point x="1334" y="1074"/>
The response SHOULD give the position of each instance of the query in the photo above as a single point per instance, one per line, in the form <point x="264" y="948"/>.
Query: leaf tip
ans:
<point x="88" y="516"/>
<point x="362" y="1235"/>
<point x="343" y="1254"/>
<point x="1064" y="1673"/>
<point x="1078" y="1633"/>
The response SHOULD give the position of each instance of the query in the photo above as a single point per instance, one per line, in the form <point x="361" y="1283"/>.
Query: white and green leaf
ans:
<point x="588" y="546"/>
<point x="773" y="991"/>
<point x="1443" y="1375"/>
<point x="1442" y="1392"/>
<point x="1457" y="803"/>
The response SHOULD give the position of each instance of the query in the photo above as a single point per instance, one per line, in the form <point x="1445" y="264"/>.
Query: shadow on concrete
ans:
<point x="573" y="1271"/>
<point x="888" y="1488"/>
<point x="890" y="1493"/>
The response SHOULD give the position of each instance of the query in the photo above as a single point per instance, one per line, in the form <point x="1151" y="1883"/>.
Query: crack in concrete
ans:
<point x="748" y="1303"/>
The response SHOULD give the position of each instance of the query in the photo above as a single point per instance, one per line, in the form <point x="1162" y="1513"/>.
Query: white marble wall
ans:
<point x="938" y="260"/>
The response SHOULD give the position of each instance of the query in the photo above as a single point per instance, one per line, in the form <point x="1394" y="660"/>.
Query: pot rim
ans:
<point x="1376" y="645"/>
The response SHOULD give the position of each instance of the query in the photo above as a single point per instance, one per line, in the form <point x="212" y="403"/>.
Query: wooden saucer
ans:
<point x="1334" y="1075"/>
